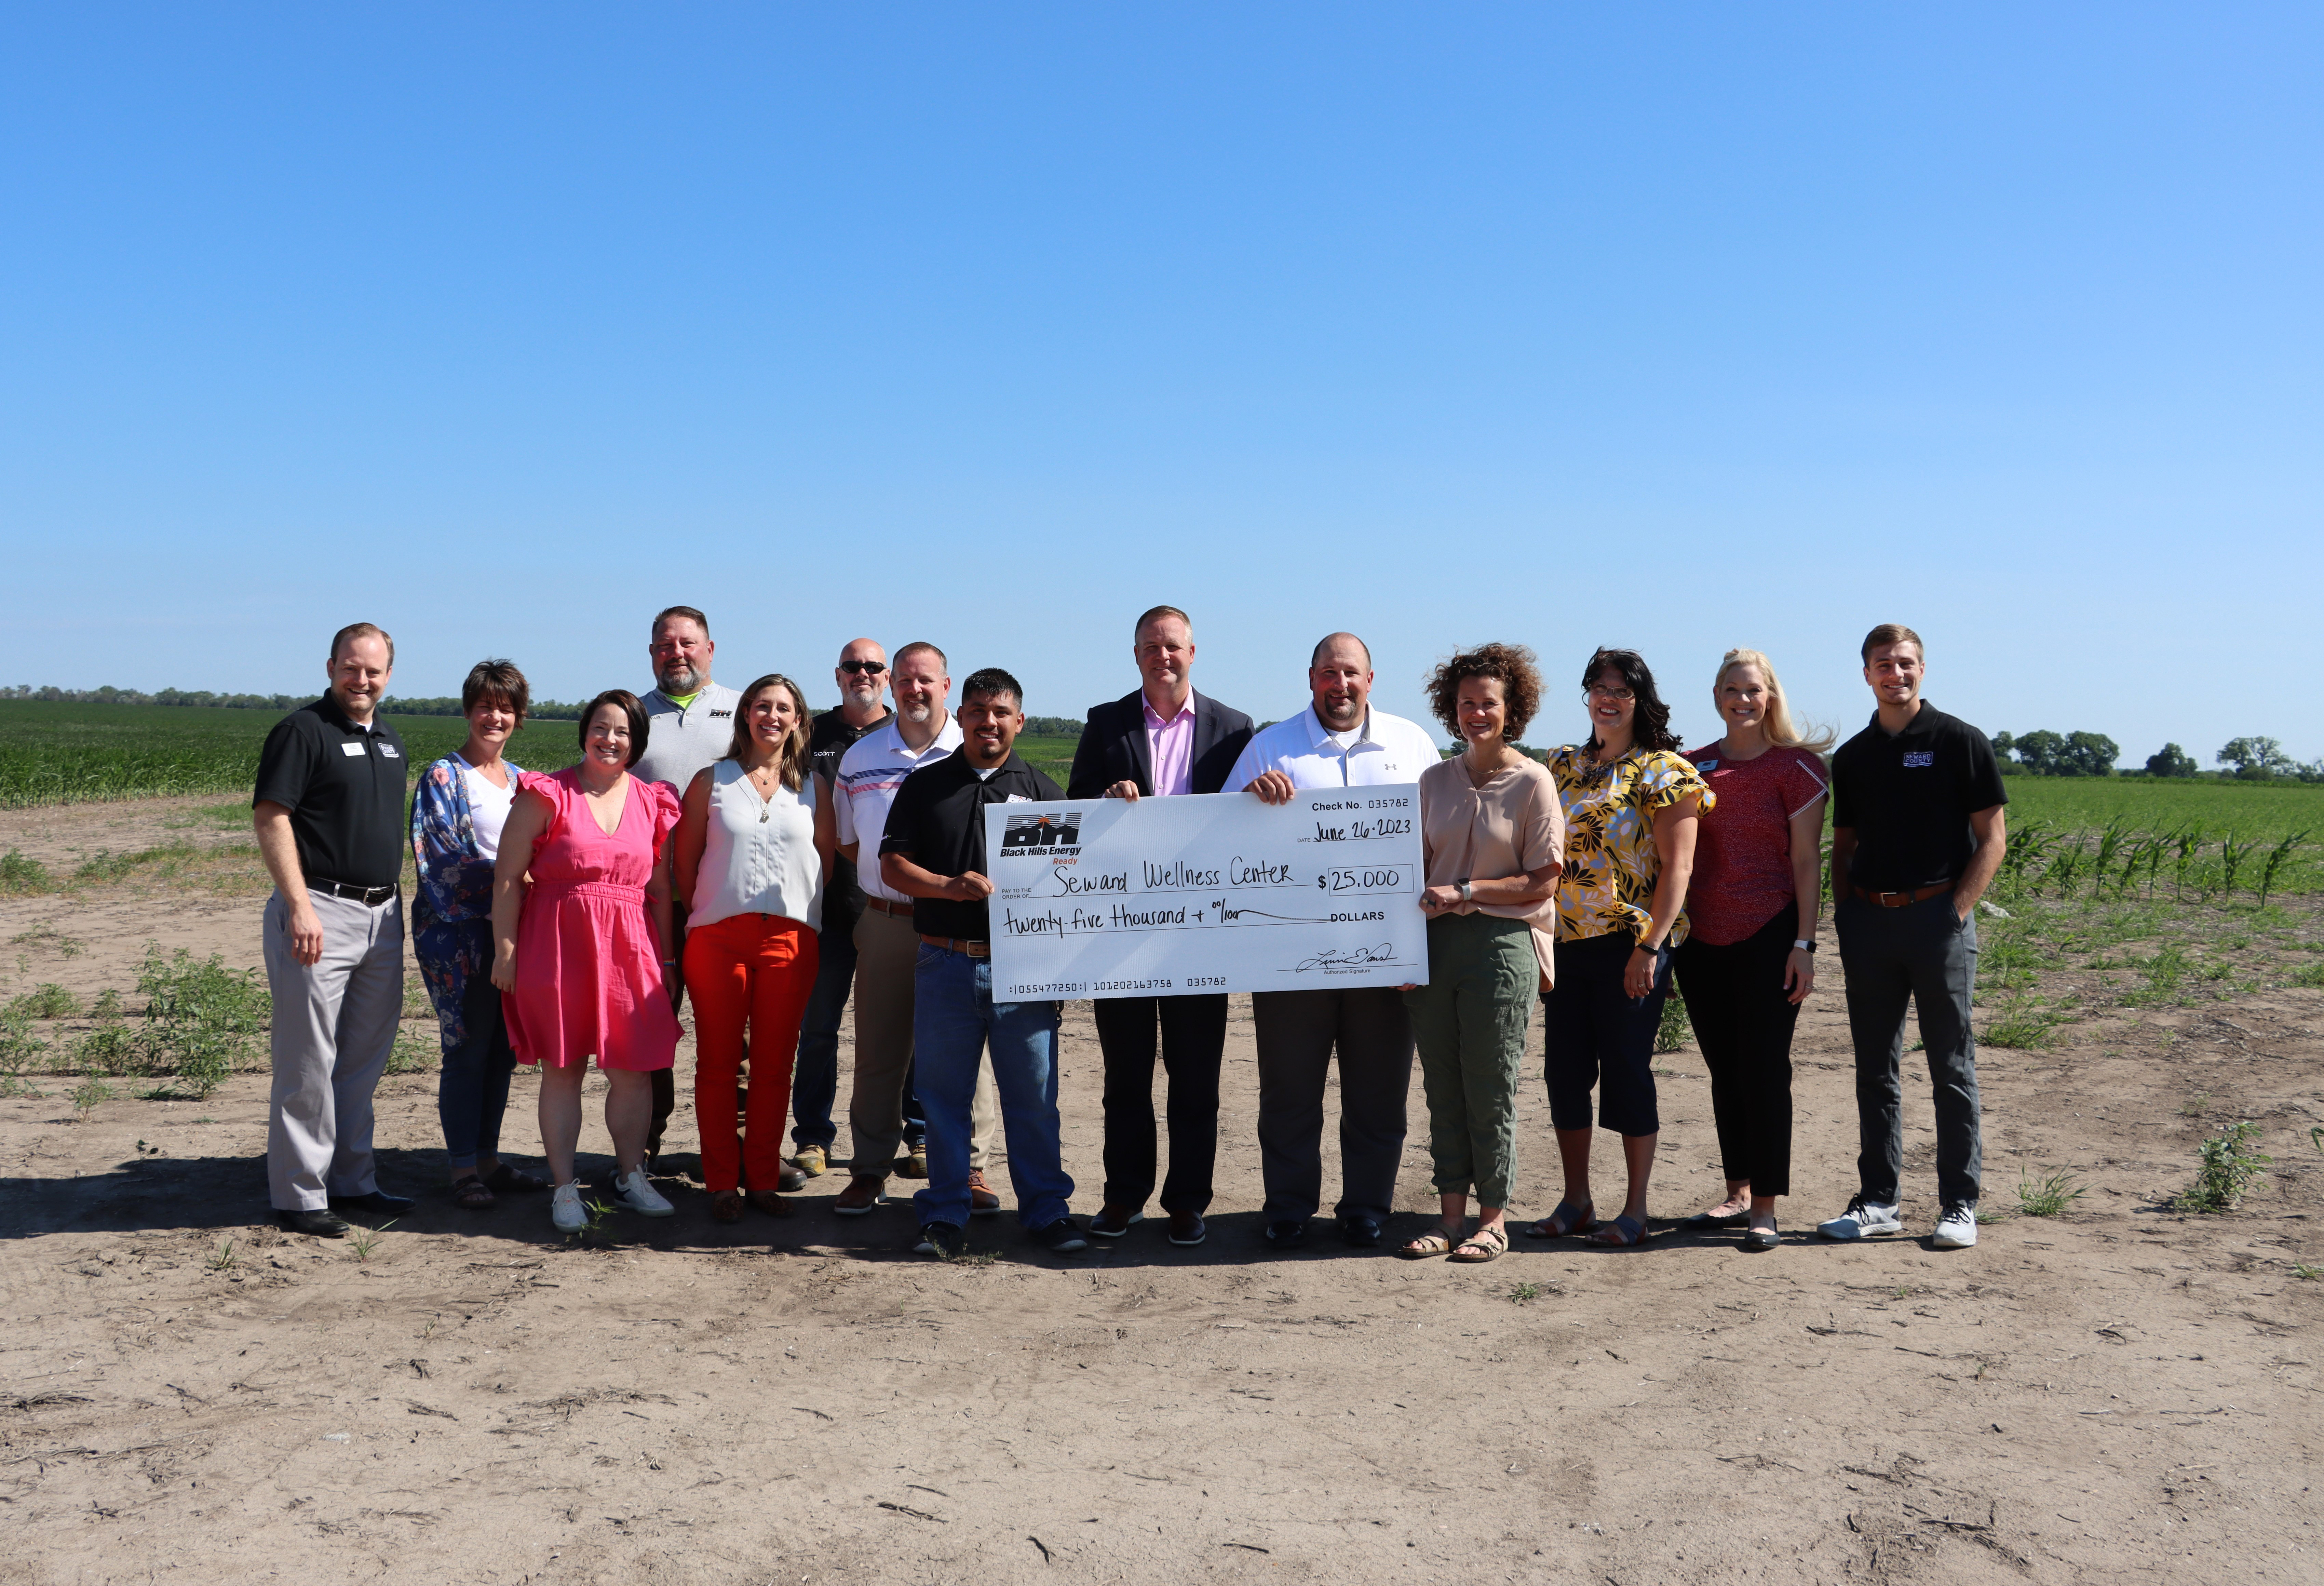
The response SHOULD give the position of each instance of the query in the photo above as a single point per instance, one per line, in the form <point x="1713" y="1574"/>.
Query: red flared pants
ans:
<point x="753" y="970"/>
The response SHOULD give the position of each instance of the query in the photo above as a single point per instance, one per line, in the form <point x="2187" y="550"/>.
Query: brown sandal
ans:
<point x="1486" y="1244"/>
<point x="726" y="1206"/>
<point x="771" y="1204"/>
<point x="470" y="1191"/>
<point x="1436" y="1242"/>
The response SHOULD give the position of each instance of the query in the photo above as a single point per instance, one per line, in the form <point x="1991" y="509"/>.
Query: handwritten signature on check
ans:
<point x="1344" y="957"/>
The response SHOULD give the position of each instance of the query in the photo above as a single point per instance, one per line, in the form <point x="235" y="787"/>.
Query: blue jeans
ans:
<point x="954" y="1020"/>
<point x="473" y="1089"/>
<point x="815" y="1077"/>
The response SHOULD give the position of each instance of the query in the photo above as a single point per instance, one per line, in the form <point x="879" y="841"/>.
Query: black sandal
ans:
<point x="508" y="1178"/>
<point x="472" y="1191"/>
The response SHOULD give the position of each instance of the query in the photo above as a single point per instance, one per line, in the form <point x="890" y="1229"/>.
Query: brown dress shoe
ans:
<point x="726" y="1206"/>
<point x="861" y="1195"/>
<point x="981" y="1200"/>
<point x="771" y="1204"/>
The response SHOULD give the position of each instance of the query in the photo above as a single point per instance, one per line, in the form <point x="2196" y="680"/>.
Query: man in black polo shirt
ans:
<point x="863" y="679"/>
<point x="933" y="853"/>
<point x="1917" y="836"/>
<point x="328" y="811"/>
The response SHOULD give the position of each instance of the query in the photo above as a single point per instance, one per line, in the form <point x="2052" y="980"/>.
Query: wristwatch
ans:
<point x="1803" y="947"/>
<point x="1468" y="893"/>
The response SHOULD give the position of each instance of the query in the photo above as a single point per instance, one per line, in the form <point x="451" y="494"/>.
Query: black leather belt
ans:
<point x="371" y="897"/>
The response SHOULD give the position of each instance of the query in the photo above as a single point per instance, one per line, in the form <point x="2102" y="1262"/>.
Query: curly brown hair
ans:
<point x="1511" y="664"/>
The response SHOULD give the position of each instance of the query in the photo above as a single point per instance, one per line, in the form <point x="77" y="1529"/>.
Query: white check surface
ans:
<point x="1216" y="892"/>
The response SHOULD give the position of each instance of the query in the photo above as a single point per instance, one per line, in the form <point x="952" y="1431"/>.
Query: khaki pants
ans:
<point x="887" y="950"/>
<point x="333" y="1031"/>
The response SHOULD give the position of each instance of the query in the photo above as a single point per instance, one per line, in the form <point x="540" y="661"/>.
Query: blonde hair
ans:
<point x="1777" y="722"/>
<point x="791" y="755"/>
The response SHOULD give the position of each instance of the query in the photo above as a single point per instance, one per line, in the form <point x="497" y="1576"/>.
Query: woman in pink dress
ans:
<point x="581" y="945"/>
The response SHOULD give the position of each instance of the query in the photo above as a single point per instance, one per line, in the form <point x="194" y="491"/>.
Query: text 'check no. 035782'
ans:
<point x="1216" y="892"/>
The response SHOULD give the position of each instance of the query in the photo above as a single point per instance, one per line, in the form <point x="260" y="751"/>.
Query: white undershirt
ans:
<point x="488" y="809"/>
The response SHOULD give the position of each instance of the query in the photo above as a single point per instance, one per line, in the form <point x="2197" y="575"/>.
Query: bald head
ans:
<point x="1339" y="676"/>
<point x="1334" y="641"/>
<point x="862" y="678"/>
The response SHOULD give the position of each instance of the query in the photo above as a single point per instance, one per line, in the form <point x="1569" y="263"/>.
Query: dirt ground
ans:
<point x="2122" y="1394"/>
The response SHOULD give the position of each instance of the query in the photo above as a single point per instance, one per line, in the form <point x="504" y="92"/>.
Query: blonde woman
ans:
<point x="754" y="847"/>
<point x="1749" y="960"/>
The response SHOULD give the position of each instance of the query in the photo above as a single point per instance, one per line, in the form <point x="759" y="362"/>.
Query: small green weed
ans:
<point x="223" y="1259"/>
<point x="89" y="1095"/>
<point x="2196" y="1105"/>
<point x="599" y="1213"/>
<point x="1675" y="1032"/>
<point x="363" y="1242"/>
<point x="2303" y="1270"/>
<point x="968" y="1258"/>
<point x="20" y="875"/>
<point x="19" y="1046"/>
<point x="413" y="1054"/>
<point x="2048" y="1197"/>
<point x="49" y="936"/>
<point x="2309" y="974"/>
<point x="201" y="1019"/>
<point x="46" y="1000"/>
<point x="2167" y="972"/>
<point x="108" y="866"/>
<point x="2023" y="1026"/>
<point x="2228" y="1167"/>
<point x="1524" y="1294"/>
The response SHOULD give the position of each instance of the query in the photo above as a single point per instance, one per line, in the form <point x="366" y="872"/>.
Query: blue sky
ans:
<point x="1680" y="327"/>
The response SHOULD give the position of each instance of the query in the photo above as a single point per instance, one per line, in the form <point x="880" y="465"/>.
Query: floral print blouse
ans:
<point x="1612" y="863"/>
<point x="452" y="905"/>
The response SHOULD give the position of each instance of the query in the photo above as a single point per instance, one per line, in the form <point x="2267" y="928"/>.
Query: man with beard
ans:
<point x="1338" y="742"/>
<point x="863" y="679"/>
<point x="920" y="733"/>
<point x="690" y="724"/>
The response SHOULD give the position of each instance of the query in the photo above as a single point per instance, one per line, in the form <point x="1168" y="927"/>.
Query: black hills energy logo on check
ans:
<point x="1047" y="834"/>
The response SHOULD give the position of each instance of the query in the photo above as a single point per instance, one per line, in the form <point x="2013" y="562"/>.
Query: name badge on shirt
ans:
<point x="1017" y="798"/>
<point x="351" y="751"/>
<point x="1706" y="765"/>
<point x="1920" y="757"/>
<point x="389" y="749"/>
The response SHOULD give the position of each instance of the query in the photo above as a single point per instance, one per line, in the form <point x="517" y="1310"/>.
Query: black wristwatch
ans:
<point x="1799" y="946"/>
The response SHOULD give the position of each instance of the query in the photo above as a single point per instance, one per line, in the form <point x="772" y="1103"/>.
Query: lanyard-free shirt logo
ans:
<point x="1916" y="757"/>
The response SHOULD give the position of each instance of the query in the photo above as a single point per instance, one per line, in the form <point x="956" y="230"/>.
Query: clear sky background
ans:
<point x="1678" y="328"/>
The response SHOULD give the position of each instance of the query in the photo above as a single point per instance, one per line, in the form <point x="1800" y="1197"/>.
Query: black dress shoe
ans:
<point x="1358" y="1229"/>
<point x="790" y="1181"/>
<point x="1185" y="1229"/>
<point x="1290" y="1232"/>
<point x="321" y="1224"/>
<point x="378" y="1200"/>
<point x="1704" y="1222"/>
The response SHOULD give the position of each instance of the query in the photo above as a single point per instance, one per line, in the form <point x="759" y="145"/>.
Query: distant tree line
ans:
<point x="2093" y="754"/>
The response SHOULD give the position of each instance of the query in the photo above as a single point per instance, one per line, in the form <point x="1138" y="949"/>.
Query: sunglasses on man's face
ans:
<point x="863" y="666"/>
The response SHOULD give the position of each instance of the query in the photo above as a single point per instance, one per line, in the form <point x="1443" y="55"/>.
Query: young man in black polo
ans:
<point x="328" y="811"/>
<point x="933" y="852"/>
<point x="1917" y="836"/>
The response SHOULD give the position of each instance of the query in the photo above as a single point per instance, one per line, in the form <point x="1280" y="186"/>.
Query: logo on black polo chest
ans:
<point x="1920" y="757"/>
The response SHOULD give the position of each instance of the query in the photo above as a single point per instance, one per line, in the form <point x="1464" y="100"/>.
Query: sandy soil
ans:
<point x="2122" y="1394"/>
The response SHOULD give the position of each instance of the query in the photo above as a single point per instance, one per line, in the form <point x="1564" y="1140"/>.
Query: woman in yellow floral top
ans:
<point x="1631" y="803"/>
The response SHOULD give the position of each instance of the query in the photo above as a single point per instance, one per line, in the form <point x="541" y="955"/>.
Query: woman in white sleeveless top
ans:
<point x="753" y="851"/>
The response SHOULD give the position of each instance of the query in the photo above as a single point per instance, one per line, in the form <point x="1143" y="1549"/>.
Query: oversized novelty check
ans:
<point x="1212" y="893"/>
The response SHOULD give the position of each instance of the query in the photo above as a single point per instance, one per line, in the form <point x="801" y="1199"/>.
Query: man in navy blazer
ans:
<point x="1165" y="738"/>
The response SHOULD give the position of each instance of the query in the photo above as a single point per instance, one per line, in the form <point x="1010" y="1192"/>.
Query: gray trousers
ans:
<point x="333" y="1029"/>
<point x="1926" y="954"/>
<point x="1297" y="1032"/>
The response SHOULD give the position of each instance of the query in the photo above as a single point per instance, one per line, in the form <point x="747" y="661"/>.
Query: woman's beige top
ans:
<point x="1514" y="824"/>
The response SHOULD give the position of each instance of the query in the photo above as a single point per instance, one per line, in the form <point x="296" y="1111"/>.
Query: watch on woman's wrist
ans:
<point x="1468" y="893"/>
<point x="1803" y="947"/>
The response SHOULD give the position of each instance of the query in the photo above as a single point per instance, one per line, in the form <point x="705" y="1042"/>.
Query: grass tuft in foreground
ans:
<point x="2048" y="1197"/>
<point x="2231" y="1163"/>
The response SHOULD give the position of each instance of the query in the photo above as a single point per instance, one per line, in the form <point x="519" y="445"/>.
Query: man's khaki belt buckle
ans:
<point x="900" y="910"/>
<point x="960" y="944"/>
<point x="370" y="897"/>
<point x="1904" y="899"/>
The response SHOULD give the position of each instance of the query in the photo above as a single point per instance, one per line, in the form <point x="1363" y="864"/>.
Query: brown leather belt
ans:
<point x="900" y="910"/>
<point x="960" y="944"/>
<point x="1901" y="900"/>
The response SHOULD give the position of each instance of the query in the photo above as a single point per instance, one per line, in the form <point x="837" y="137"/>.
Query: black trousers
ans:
<point x="1595" y="1034"/>
<point x="1297" y="1034"/>
<point x="1743" y="1021"/>
<point x="1194" y="1038"/>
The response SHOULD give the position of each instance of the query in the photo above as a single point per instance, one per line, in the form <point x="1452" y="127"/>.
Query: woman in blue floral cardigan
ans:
<point x="457" y="817"/>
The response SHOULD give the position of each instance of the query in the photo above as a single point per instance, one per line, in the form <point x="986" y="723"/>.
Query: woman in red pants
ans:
<point x="752" y="849"/>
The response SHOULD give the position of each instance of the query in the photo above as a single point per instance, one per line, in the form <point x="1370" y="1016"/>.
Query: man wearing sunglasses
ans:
<point x="863" y="679"/>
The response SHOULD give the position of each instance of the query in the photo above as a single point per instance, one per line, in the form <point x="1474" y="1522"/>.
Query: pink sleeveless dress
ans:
<point x="588" y="971"/>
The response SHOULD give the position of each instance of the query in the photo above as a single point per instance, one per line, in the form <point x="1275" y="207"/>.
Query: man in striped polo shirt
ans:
<point x="921" y="731"/>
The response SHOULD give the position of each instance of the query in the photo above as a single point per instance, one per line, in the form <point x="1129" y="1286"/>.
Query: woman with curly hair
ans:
<point x="1631" y="808"/>
<point x="754" y="847"/>
<point x="1492" y="844"/>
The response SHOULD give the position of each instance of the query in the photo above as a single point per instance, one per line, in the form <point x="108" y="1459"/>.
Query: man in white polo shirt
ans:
<point x="919" y="733"/>
<point x="1338" y="742"/>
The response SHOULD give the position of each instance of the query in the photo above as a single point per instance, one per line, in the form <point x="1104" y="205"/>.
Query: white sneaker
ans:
<point x="1862" y="1217"/>
<point x="566" y="1210"/>
<point x="1957" y="1228"/>
<point x="633" y="1190"/>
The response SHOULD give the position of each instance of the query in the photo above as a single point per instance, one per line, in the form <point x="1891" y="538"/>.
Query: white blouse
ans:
<point x="488" y="807"/>
<point x="758" y="855"/>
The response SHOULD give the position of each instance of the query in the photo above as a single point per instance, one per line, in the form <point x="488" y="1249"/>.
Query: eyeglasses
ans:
<point x="1599" y="691"/>
<point x="863" y="666"/>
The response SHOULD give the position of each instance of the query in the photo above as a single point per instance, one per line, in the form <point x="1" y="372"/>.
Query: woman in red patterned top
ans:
<point x="1749" y="963"/>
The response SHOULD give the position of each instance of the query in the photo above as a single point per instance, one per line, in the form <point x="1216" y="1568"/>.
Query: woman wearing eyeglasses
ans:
<point x="1632" y="802"/>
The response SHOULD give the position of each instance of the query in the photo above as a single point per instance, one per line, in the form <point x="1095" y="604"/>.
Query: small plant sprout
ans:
<point x="2230" y="1163"/>
<point x="2300" y="1269"/>
<point x="2196" y="1105"/>
<point x="363" y="1242"/>
<point x="223" y="1259"/>
<point x="2277" y="858"/>
<point x="1524" y="1294"/>
<point x="89" y="1095"/>
<point x="2048" y="1197"/>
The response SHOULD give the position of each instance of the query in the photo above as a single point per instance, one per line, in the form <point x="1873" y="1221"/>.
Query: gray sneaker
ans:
<point x="1957" y="1228"/>
<point x="1863" y="1217"/>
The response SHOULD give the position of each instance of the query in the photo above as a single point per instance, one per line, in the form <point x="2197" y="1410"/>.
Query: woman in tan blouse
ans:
<point x="1493" y="842"/>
